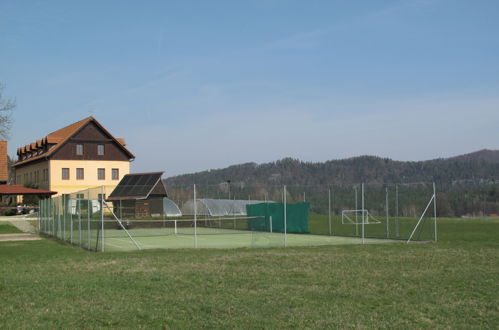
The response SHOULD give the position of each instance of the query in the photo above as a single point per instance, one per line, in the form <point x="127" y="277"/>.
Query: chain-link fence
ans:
<point x="75" y="218"/>
<point x="216" y="216"/>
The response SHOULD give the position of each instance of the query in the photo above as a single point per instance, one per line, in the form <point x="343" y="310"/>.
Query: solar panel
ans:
<point x="135" y="186"/>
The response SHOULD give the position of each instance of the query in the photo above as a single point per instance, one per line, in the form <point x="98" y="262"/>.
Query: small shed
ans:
<point x="142" y="195"/>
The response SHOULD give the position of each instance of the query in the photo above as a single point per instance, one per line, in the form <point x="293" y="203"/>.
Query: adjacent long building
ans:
<point x="79" y="156"/>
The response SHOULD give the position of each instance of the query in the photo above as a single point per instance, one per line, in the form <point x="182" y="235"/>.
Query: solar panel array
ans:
<point x="135" y="185"/>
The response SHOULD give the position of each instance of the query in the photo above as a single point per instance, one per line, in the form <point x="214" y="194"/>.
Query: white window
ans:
<point x="115" y="174"/>
<point x="100" y="149"/>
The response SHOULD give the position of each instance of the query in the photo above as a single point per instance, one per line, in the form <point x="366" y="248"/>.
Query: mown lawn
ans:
<point x="7" y="228"/>
<point x="451" y="284"/>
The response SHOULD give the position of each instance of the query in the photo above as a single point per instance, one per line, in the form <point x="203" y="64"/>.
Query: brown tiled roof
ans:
<point x="6" y="189"/>
<point x="62" y="135"/>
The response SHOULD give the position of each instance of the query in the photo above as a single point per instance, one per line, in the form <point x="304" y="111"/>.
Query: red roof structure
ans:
<point x="56" y="139"/>
<point x="14" y="190"/>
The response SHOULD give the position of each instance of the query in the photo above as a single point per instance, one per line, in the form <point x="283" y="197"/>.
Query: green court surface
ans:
<point x="117" y="240"/>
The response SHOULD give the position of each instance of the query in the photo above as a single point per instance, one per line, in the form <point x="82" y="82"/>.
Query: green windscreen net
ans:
<point x="269" y="217"/>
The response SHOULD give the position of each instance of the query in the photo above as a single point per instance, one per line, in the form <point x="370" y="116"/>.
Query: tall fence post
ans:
<point x="103" y="236"/>
<point x="397" y="210"/>
<point x="59" y="229"/>
<point x="285" y="219"/>
<point x="195" y="219"/>
<point x="78" y="200"/>
<point x="435" y="210"/>
<point x="64" y="215"/>
<point x="329" y="211"/>
<point x="363" y="216"/>
<point x="89" y="210"/>
<point x="387" y="216"/>
<point x="356" y="212"/>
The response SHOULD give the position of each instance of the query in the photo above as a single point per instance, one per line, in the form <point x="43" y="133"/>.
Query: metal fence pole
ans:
<point x="64" y="215"/>
<point x="435" y="210"/>
<point x="59" y="219"/>
<point x="397" y="210"/>
<point x="329" y="210"/>
<point x="356" y="213"/>
<point x="387" y="217"/>
<point x="88" y="218"/>
<point x="78" y="200"/>
<point x="363" y="225"/>
<point x="51" y="218"/>
<point x="195" y="219"/>
<point x="285" y="219"/>
<point x="71" y="219"/>
<point x="102" y="219"/>
<point x="40" y="216"/>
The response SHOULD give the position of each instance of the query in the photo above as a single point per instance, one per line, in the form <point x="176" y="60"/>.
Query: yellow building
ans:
<point x="79" y="156"/>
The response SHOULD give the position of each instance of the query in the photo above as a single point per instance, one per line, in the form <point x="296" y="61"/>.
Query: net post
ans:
<point x="329" y="210"/>
<point x="175" y="222"/>
<point x="363" y="216"/>
<point x="103" y="237"/>
<point x="285" y="219"/>
<point x="435" y="210"/>
<point x="195" y="219"/>
<point x="270" y="219"/>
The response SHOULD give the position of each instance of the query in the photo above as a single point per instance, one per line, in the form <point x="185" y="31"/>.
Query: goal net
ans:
<point x="352" y="217"/>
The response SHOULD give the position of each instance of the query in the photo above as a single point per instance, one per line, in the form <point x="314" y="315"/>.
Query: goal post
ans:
<point x="355" y="217"/>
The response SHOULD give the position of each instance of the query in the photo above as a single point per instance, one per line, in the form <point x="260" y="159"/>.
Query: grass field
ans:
<point x="7" y="228"/>
<point x="451" y="284"/>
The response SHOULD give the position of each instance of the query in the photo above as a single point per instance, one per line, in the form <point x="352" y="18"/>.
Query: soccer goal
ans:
<point x="352" y="217"/>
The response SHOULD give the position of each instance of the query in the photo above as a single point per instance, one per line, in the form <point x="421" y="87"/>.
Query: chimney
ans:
<point x="4" y="166"/>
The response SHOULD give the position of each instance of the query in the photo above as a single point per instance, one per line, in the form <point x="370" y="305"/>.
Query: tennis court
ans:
<point x="166" y="238"/>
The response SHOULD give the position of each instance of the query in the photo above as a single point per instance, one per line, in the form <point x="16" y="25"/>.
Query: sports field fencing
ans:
<point x="217" y="216"/>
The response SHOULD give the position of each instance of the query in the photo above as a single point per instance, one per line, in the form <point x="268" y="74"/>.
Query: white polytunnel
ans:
<point x="218" y="207"/>
<point x="171" y="209"/>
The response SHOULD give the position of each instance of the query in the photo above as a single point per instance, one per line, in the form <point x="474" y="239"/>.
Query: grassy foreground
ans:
<point x="452" y="284"/>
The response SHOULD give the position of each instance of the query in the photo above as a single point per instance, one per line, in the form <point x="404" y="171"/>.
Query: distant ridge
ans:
<point x="476" y="168"/>
<point x="487" y="155"/>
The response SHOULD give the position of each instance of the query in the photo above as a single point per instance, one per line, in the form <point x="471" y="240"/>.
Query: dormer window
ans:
<point x="79" y="149"/>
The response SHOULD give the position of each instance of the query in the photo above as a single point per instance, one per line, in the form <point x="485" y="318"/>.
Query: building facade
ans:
<point x="79" y="156"/>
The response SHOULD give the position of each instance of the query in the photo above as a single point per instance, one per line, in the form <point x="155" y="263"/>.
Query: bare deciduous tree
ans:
<point x="6" y="107"/>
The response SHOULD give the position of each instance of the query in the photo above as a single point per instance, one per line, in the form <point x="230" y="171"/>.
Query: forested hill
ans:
<point x="474" y="169"/>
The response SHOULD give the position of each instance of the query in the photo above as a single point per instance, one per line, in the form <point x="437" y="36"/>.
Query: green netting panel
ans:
<point x="271" y="217"/>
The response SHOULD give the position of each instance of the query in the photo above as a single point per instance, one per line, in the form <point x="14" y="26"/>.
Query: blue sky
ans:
<point x="195" y="85"/>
